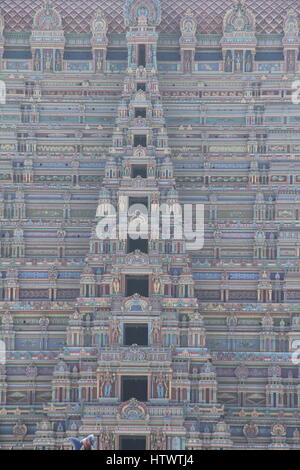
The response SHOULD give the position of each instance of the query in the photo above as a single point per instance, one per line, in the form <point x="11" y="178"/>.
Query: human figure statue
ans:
<point x="228" y="62"/>
<point x="160" y="386"/>
<point x="116" y="286"/>
<point x="115" y="333"/>
<point x="156" y="286"/>
<point x="107" y="384"/>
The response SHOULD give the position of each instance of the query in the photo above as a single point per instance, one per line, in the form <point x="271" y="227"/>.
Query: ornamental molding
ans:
<point x="137" y="12"/>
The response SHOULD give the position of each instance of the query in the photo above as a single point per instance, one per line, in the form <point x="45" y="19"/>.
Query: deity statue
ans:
<point x="248" y="62"/>
<point x="161" y="386"/>
<point x="228" y="61"/>
<point x="126" y="169"/>
<point x="106" y="384"/>
<point x="238" y="19"/>
<point x="142" y="12"/>
<point x="142" y="15"/>
<point x="291" y="27"/>
<point x="20" y="430"/>
<point x="155" y="334"/>
<point x="291" y="61"/>
<point x="150" y="169"/>
<point x="158" y="440"/>
<point x="107" y="440"/>
<point x="37" y="60"/>
<point x="99" y="59"/>
<point x="278" y="430"/>
<point x="156" y="286"/>
<point x="296" y="434"/>
<point x="47" y="18"/>
<point x="99" y="26"/>
<point x="58" y="60"/>
<point x="176" y="443"/>
<point x="188" y="26"/>
<point x="188" y="61"/>
<point x="238" y="61"/>
<point x="48" y="61"/>
<point x="116" y="286"/>
<point x="115" y="333"/>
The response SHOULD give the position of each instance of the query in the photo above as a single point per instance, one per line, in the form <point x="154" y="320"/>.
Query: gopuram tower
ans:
<point x="147" y="367"/>
<point x="112" y="322"/>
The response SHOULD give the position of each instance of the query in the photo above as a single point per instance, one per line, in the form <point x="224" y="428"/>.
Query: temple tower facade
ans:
<point x="112" y="117"/>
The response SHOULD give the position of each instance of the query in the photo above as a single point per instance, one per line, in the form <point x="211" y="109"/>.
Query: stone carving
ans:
<point x="267" y="321"/>
<point x="133" y="410"/>
<point x="106" y="384"/>
<point x="116" y="286"/>
<point x="238" y="19"/>
<point x="139" y="151"/>
<point x="20" y="430"/>
<point x="231" y="321"/>
<point x="158" y="440"/>
<point x="52" y="273"/>
<point x="107" y="440"/>
<point x="142" y="12"/>
<point x="274" y="371"/>
<point x="115" y="332"/>
<point x="208" y="368"/>
<point x="7" y="319"/>
<point x="260" y="236"/>
<point x="31" y="371"/>
<point x="278" y="430"/>
<point x="137" y="257"/>
<point x="134" y="353"/>
<point x="99" y="24"/>
<point x="161" y="384"/>
<point x="155" y="334"/>
<point x="156" y="286"/>
<point x="291" y="26"/>
<point x="241" y="372"/>
<point x="37" y="63"/>
<point x="176" y="443"/>
<point x="188" y="24"/>
<point x="61" y="366"/>
<point x="47" y="18"/>
<point x="44" y="425"/>
<point x="296" y="434"/>
<point x="250" y="430"/>
<point x="136" y="303"/>
<point x="18" y="233"/>
<point x="75" y="317"/>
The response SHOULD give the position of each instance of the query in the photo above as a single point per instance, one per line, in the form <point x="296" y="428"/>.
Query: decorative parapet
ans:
<point x="47" y="40"/>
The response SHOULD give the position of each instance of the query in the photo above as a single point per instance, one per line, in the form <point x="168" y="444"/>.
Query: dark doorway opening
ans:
<point x="140" y="112"/>
<point x="142" y="55"/>
<point x="139" y="170"/>
<point x="132" y="443"/>
<point x="134" y="387"/>
<point x="140" y="139"/>
<point x="141" y="86"/>
<point x="138" y="200"/>
<point x="137" y="285"/>
<point x="135" y="333"/>
<point x="138" y="244"/>
<point x="183" y="340"/>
